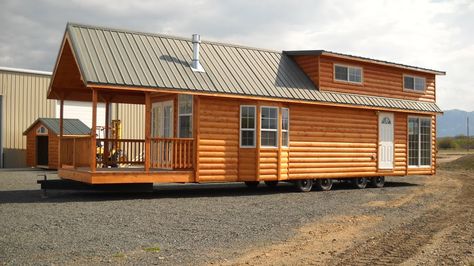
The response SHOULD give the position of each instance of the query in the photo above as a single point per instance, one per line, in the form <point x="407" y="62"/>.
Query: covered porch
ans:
<point x="165" y="154"/>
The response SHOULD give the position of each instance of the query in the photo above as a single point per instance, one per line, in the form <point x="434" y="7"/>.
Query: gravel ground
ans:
<point x="180" y="224"/>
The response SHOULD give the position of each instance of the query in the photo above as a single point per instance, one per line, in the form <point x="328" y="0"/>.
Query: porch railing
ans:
<point x="166" y="153"/>
<point x="172" y="153"/>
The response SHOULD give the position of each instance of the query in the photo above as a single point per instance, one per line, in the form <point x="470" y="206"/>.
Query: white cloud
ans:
<point x="432" y="34"/>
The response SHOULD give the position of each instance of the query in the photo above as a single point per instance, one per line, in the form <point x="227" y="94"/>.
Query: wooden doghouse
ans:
<point x="42" y="139"/>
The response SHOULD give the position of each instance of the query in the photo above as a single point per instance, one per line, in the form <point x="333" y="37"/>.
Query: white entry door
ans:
<point x="386" y="147"/>
<point x="162" y="127"/>
<point x="162" y="120"/>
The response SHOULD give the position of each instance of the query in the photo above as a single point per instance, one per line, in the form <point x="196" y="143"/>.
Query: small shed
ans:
<point x="42" y="138"/>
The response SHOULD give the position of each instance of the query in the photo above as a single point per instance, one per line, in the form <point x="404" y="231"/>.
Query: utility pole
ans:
<point x="468" y="136"/>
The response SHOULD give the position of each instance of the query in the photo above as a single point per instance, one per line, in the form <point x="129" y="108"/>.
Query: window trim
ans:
<point x="187" y="114"/>
<point x="271" y="130"/>
<point x="414" y="77"/>
<point x="46" y="131"/>
<point x="246" y="129"/>
<point x="348" y="81"/>
<point x="419" y="143"/>
<point x="285" y="130"/>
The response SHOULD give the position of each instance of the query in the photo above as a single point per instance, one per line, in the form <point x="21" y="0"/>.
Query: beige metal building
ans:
<point x="23" y="100"/>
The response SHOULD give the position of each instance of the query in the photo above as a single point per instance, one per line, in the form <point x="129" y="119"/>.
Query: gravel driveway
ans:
<point x="175" y="224"/>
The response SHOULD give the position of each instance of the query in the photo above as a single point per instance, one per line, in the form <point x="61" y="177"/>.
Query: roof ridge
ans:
<point x="170" y="36"/>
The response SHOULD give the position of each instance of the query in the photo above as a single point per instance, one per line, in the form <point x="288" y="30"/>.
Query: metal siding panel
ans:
<point x="225" y="63"/>
<point x="172" y="56"/>
<point x="257" y="73"/>
<point x="287" y="72"/>
<point x="279" y="83"/>
<point x="219" y="80"/>
<point x="264" y="73"/>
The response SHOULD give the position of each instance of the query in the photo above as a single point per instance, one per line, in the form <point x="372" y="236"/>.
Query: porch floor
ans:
<point x="126" y="175"/>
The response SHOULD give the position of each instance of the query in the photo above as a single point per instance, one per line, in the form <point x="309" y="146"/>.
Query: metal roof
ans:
<point x="23" y="70"/>
<point x="71" y="126"/>
<point x="360" y="58"/>
<point x="125" y="58"/>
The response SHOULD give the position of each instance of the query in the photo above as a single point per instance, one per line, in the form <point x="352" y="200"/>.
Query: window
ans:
<point x="247" y="126"/>
<point x="348" y="73"/>
<point x="42" y="131"/>
<point x="414" y="83"/>
<point x="185" y="116"/>
<point x="285" y="127"/>
<point x="419" y="141"/>
<point x="269" y="126"/>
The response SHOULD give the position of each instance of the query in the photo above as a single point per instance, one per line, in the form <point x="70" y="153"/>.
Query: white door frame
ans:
<point x="161" y="119"/>
<point x="385" y="165"/>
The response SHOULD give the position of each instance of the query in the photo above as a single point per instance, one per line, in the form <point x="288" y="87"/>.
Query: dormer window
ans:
<point x="348" y="73"/>
<point x="414" y="83"/>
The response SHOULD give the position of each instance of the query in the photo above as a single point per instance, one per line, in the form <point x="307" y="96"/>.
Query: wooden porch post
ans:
<point x="61" y="129"/>
<point x="147" y="131"/>
<point x="93" y="161"/>
<point x="105" y="160"/>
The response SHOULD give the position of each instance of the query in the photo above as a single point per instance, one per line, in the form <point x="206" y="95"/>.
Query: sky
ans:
<point x="432" y="34"/>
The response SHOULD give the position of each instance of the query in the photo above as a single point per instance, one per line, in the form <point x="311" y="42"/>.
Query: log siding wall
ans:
<point x="377" y="80"/>
<point x="333" y="142"/>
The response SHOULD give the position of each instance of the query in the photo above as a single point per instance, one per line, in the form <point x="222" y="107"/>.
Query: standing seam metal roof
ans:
<point x="70" y="126"/>
<point x="125" y="58"/>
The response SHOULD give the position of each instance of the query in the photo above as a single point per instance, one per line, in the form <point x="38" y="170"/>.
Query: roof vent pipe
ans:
<point x="195" y="65"/>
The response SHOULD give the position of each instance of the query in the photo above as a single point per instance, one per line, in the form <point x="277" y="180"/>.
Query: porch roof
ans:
<point x="122" y="58"/>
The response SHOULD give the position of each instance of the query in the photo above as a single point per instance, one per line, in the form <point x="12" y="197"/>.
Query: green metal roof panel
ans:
<point x="126" y="58"/>
<point x="71" y="126"/>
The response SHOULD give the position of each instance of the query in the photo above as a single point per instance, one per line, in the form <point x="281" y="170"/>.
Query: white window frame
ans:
<point x="186" y="114"/>
<point x="270" y="130"/>
<point x="248" y="129"/>
<point x="38" y="131"/>
<point x="414" y="81"/>
<point x="419" y="142"/>
<point x="349" y="81"/>
<point x="285" y="130"/>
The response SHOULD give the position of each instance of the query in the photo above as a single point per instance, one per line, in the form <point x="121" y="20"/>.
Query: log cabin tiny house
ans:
<point x="42" y="140"/>
<point x="226" y="113"/>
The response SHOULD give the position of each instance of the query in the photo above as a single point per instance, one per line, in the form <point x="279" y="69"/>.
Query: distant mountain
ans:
<point x="453" y="123"/>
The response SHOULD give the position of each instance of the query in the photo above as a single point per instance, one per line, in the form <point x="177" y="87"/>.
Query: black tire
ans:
<point x="304" y="185"/>
<point x="324" y="184"/>
<point x="251" y="184"/>
<point x="377" y="181"/>
<point x="359" y="183"/>
<point x="271" y="183"/>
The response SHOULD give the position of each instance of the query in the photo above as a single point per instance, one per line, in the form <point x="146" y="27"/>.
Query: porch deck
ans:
<point x="107" y="161"/>
<point x="126" y="175"/>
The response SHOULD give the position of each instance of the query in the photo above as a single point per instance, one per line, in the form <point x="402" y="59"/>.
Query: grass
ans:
<point x="119" y="255"/>
<point x="466" y="162"/>
<point x="152" y="249"/>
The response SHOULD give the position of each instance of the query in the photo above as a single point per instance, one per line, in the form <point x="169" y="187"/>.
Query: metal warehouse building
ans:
<point x="23" y="100"/>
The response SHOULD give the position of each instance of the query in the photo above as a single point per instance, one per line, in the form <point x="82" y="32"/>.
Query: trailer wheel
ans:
<point x="304" y="185"/>
<point x="377" y="182"/>
<point x="324" y="184"/>
<point x="251" y="184"/>
<point x="271" y="183"/>
<point x="359" y="183"/>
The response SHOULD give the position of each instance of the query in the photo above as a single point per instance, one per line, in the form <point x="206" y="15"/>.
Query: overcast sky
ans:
<point x="431" y="34"/>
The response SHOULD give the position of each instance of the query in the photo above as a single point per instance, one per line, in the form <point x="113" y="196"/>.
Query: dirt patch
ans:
<point x="314" y="243"/>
